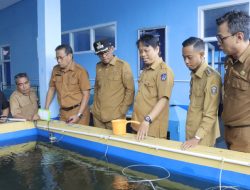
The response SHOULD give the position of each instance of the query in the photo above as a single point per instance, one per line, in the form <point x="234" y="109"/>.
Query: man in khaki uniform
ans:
<point x="151" y="106"/>
<point x="202" y="125"/>
<point x="114" y="86"/>
<point x="70" y="81"/>
<point x="23" y="101"/>
<point x="233" y="39"/>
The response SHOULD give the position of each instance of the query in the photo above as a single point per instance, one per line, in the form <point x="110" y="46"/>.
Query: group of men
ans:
<point x="114" y="88"/>
<point x="202" y="120"/>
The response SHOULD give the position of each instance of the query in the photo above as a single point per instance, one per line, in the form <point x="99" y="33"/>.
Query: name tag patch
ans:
<point x="163" y="76"/>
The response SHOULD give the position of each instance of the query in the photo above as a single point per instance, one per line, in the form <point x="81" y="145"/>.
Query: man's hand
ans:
<point x="142" y="131"/>
<point x="3" y="118"/>
<point x="35" y="117"/>
<point x="73" y="119"/>
<point x="190" y="144"/>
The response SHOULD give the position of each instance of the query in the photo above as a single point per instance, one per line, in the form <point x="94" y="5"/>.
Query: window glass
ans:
<point x="106" y="32"/>
<point x="1" y="71"/>
<point x="65" y="39"/>
<point x="7" y="73"/>
<point x="211" y="15"/>
<point x="82" y="40"/>
<point x="6" y="53"/>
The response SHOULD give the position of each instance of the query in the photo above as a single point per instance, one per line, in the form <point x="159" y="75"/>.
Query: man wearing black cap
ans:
<point x="114" y="86"/>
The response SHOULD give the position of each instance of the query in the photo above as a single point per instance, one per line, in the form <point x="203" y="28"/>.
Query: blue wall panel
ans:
<point x="18" y="29"/>
<point x="179" y="16"/>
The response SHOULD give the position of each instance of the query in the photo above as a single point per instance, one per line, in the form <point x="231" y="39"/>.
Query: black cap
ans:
<point x="101" y="45"/>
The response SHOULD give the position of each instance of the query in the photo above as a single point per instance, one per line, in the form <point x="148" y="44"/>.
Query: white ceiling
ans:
<point x="6" y="3"/>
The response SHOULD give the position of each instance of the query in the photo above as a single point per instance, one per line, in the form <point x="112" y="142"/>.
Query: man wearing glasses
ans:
<point x="71" y="82"/>
<point x="114" y="86"/>
<point x="23" y="101"/>
<point x="233" y="40"/>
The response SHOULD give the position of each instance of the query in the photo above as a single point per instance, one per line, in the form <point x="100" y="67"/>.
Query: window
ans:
<point x="5" y="65"/>
<point x="81" y="40"/>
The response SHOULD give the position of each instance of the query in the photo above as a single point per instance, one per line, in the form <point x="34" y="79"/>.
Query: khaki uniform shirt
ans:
<point x="114" y="90"/>
<point x="155" y="83"/>
<point x="236" y="103"/>
<point x="202" y="116"/>
<point x="25" y="105"/>
<point x="69" y="84"/>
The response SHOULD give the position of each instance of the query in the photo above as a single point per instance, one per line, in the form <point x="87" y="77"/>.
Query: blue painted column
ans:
<point x="49" y="37"/>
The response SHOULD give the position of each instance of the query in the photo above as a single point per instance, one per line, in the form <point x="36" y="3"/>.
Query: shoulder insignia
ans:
<point x="163" y="76"/>
<point x="209" y="71"/>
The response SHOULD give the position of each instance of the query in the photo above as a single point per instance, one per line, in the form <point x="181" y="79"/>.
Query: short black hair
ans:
<point x="148" y="40"/>
<point x="238" y="21"/>
<point x="66" y="47"/>
<point x="197" y="43"/>
<point x="20" y="75"/>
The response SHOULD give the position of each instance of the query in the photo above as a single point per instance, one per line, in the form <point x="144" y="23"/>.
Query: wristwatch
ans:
<point x="198" y="138"/>
<point x="79" y="115"/>
<point x="148" y="119"/>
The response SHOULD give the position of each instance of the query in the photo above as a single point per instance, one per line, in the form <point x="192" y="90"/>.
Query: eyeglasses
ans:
<point x="221" y="39"/>
<point x="60" y="57"/>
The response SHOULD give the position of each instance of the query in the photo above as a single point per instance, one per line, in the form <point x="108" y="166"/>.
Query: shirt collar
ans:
<point x="245" y="55"/>
<point x="155" y="64"/>
<point x="200" y="70"/>
<point x="242" y="58"/>
<point x="70" y="68"/>
<point x="21" y="94"/>
<point x="112" y="62"/>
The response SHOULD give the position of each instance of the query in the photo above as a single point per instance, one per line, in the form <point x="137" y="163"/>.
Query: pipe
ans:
<point x="15" y="119"/>
<point x="217" y="158"/>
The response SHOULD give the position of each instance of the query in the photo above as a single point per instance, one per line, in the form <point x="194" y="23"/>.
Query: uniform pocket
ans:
<point x="151" y="88"/>
<point x="73" y="85"/>
<point x="239" y="83"/>
<point x="114" y="77"/>
<point x="198" y="98"/>
<point x="148" y="84"/>
<point x="73" y="81"/>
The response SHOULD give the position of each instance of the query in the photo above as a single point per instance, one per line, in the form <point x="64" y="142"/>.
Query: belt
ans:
<point x="71" y="107"/>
